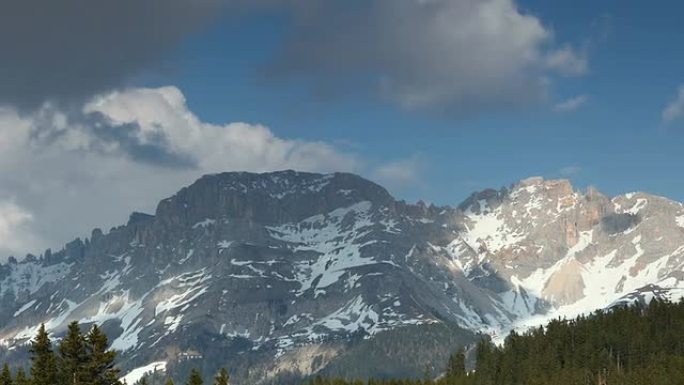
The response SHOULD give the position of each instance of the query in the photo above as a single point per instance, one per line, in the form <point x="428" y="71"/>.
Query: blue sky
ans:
<point x="616" y="140"/>
<point x="432" y="99"/>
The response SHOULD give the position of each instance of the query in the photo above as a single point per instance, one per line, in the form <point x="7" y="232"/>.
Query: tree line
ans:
<point x="195" y="378"/>
<point x="626" y="345"/>
<point x="79" y="360"/>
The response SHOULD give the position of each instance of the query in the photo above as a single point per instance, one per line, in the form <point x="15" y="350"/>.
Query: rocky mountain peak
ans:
<point x="526" y="191"/>
<point x="261" y="270"/>
<point x="539" y="185"/>
<point x="268" y="198"/>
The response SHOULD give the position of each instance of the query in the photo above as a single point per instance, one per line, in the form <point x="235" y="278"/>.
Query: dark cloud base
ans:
<point x="69" y="50"/>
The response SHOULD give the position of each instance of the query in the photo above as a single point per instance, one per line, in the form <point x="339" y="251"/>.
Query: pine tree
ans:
<point x="20" y="378"/>
<point x="456" y="365"/>
<point x="100" y="368"/>
<point x="6" y="376"/>
<point x="73" y="358"/>
<point x="195" y="378"/>
<point x="44" y="363"/>
<point x="169" y="381"/>
<point x="222" y="378"/>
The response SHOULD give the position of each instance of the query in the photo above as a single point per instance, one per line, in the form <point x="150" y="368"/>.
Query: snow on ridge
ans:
<point x="357" y="315"/>
<point x="179" y="292"/>
<point x="640" y="204"/>
<point x="489" y="227"/>
<point x="29" y="332"/>
<point x="515" y="302"/>
<point x="605" y="282"/>
<point x="183" y="298"/>
<point x="128" y="311"/>
<point x="353" y="316"/>
<point x="25" y="307"/>
<point x="602" y="279"/>
<point x="224" y="244"/>
<point x="31" y="276"/>
<point x="281" y="184"/>
<point x="338" y="247"/>
<point x="680" y="221"/>
<point x="530" y="186"/>
<point x="205" y="223"/>
<point x="585" y="239"/>
<point x="137" y="374"/>
<point x="122" y="307"/>
<point x="188" y="255"/>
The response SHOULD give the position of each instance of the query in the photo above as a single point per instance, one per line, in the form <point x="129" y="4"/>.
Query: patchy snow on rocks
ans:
<point x="137" y="374"/>
<point x="489" y="229"/>
<point x="680" y="220"/>
<point x="274" y="265"/>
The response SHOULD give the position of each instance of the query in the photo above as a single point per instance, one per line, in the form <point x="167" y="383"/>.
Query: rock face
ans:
<point x="288" y="273"/>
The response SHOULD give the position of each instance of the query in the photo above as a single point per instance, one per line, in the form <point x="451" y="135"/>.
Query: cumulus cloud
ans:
<point x="162" y="113"/>
<point x="675" y="109"/>
<point x="455" y="56"/>
<point x="14" y="226"/>
<point x="571" y="104"/>
<point x="63" y="173"/>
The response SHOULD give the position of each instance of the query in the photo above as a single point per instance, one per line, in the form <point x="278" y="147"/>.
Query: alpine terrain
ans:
<point x="288" y="274"/>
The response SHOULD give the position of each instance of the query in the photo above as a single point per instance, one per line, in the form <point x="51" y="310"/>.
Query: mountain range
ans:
<point x="287" y="274"/>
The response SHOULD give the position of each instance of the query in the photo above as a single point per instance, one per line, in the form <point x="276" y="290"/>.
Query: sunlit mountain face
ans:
<point x="285" y="274"/>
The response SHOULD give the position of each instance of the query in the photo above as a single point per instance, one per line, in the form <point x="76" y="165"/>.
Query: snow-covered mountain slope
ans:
<point x="270" y="273"/>
<point x="570" y="251"/>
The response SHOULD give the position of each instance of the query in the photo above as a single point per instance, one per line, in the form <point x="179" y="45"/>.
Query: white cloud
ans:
<point x="571" y="104"/>
<point x="568" y="61"/>
<point x="68" y="175"/>
<point x="399" y="174"/>
<point x="14" y="223"/>
<point x="675" y="109"/>
<point x="163" y="112"/>
<point x="453" y="55"/>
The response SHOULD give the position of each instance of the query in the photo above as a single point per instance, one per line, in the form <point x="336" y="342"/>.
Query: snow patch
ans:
<point x="137" y="374"/>
<point x="25" y="307"/>
<point x="489" y="227"/>
<point x="334" y="239"/>
<point x="205" y="223"/>
<point x="640" y="204"/>
<point x="224" y="244"/>
<point x="680" y="221"/>
<point x="31" y="276"/>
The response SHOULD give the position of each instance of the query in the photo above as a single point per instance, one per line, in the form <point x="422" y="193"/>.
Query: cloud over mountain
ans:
<point x="121" y="152"/>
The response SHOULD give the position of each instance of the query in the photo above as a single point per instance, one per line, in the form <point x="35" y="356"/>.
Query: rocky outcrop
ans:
<point x="264" y="272"/>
